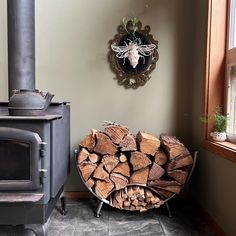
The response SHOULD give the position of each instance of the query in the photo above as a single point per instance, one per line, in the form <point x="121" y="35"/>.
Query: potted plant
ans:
<point x="220" y="125"/>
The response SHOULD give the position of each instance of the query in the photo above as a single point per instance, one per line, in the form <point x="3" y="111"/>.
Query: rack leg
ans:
<point x="168" y="209"/>
<point x="97" y="214"/>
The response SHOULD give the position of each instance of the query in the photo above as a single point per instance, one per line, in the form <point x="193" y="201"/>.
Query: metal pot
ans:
<point x="26" y="102"/>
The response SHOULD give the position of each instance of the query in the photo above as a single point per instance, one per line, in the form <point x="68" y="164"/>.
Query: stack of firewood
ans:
<point x="135" y="198"/>
<point x="113" y="159"/>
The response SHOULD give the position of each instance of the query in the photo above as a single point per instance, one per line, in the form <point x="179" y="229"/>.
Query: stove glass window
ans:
<point x="14" y="160"/>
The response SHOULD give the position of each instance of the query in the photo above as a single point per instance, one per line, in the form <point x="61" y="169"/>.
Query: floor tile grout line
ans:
<point x="108" y="224"/>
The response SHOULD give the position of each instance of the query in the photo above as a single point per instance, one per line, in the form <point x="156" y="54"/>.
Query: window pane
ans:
<point x="233" y="24"/>
<point x="232" y="101"/>
<point x="14" y="160"/>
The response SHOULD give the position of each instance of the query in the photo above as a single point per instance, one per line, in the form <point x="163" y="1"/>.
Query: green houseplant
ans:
<point x="220" y="125"/>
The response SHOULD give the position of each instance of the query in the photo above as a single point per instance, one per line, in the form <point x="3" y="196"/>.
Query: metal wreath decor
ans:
<point x="133" y="54"/>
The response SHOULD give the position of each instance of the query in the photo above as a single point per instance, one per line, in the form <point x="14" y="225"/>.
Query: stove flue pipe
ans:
<point x="21" y="44"/>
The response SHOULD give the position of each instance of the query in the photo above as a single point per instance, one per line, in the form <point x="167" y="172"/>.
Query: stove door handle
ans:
<point x="43" y="175"/>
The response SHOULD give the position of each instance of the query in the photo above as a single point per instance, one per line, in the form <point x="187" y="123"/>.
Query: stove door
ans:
<point x="19" y="159"/>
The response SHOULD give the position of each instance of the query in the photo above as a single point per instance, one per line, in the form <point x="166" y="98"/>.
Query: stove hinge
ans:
<point x="43" y="175"/>
<point x="42" y="149"/>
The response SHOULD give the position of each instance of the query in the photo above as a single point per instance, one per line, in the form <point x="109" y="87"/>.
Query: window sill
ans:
<point x="226" y="150"/>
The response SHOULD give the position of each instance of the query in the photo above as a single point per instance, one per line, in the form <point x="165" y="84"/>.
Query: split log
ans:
<point x="135" y="202"/>
<point x="139" y="160"/>
<point x="160" y="157"/>
<point x="116" y="132"/>
<point x="100" y="173"/>
<point x="139" y="202"/>
<point x="147" y="143"/>
<point x="155" y="172"/>
<point x="139" y="176"/>
<point x="104" y="144"/>
<point x="124" y="193"/>
<point x="83" y="155"/>
<point x="119" y="180"/>
<point x="163" y="192"/>
<point x="86" y="169"/>
<point x="148" y="195"/>
<point x="88" y="142"/>
<point x="173" y="146"/>
<point x="180" y="161"/>
<point x="93" y="132"/>
<point x="179" y="175"/>
<point x="128" y="143"/>
<point x="171" y="186"/>
<point x="123" y="168"/>
<point x="123" y="158"/>
<point x="119" y="199"/>
<point x="94" y="158"/>
<point x="126" y="203"/>
<point x="103" y="188"/>
<point x="110" y="162"/>
<point x="130" y="193"/>
<point x="140" y="194"/>
<point x="90" y="183"/>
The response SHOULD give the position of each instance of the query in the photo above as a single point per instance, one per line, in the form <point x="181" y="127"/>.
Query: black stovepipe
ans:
<point x="21" y="44"/>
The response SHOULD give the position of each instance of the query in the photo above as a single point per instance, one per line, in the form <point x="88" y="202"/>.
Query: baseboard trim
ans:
<point x="211" y="222"/>
<point x="78" y="194"/>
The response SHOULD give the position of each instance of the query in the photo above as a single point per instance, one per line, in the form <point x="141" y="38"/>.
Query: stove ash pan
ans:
<point x="34" y="161"/>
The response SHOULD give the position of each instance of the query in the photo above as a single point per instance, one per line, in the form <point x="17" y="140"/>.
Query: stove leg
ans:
<point x="62" y="209"/>
<point x="38" y="229"/>
<point x="97" y="214"/>
<point x="63" y="206"/>
<point x="168" y="209"/>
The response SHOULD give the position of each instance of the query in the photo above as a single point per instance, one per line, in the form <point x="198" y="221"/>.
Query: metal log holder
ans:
<point x="101" y="201"/>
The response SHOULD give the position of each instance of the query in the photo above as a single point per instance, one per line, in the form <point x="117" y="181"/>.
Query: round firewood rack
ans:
<point x="163" y="200"/>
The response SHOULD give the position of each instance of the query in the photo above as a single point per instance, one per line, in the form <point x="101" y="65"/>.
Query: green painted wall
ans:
<point x="71" y="62"/>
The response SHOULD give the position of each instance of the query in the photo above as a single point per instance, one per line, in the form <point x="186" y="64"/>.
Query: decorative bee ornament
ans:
<point x="133" y="53"/>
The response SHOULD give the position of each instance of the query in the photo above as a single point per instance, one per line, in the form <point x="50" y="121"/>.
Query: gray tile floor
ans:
<point x="80" y="221"/>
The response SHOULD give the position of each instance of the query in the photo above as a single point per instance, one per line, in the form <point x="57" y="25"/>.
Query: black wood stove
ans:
<point x="34" y="150"/>
<point x="34" y="159"/>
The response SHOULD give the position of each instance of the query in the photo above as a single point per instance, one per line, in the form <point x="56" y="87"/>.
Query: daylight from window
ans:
<point x="231" y="65"/>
